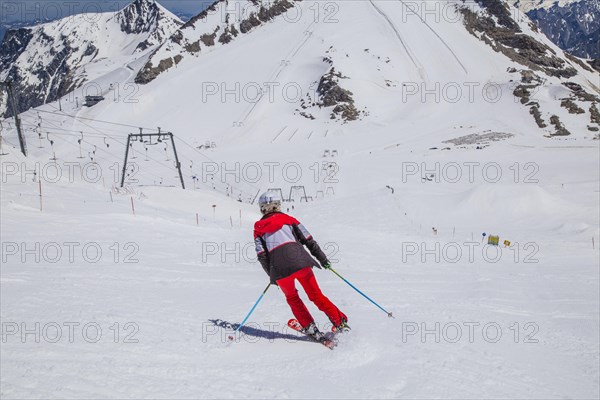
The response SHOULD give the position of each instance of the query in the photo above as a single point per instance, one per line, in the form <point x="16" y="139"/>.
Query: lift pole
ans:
<point x="160" y="137"/>
<point x="11" y="96"/>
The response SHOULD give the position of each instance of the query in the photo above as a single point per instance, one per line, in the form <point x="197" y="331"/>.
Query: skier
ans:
<point x="280" y="239"/>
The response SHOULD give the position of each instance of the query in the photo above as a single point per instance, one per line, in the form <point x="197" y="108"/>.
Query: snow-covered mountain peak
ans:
<point x="142" y="16"/>
<point x="49" y="60"/>
<point x="147" y="16"/>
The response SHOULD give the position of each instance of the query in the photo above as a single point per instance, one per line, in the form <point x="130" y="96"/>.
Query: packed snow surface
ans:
<point x="110" y="292"/>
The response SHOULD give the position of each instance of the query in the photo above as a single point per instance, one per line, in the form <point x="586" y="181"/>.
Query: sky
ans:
<point x="29" y="11"/>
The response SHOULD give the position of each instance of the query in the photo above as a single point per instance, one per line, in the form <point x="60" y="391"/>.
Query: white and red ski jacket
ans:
<point x="279" y="240"/>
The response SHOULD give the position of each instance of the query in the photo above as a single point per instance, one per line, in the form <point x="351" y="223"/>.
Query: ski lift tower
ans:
<point x="11" y="97"/>
<point x="160" y="137"/>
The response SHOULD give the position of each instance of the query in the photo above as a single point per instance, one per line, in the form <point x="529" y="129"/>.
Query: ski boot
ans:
<point x="343" y="327"/>
<point x="314" y="332"/>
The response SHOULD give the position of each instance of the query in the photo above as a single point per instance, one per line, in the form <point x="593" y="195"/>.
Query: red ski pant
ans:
<point x="308" y="281"/>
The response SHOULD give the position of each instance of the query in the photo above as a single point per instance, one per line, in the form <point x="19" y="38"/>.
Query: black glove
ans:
<point x="327" y="264"/>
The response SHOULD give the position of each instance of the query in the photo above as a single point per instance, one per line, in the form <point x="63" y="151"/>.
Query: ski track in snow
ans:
<point x="416" y="63"/>
<point x="308" y="32"/>
<point x="438" y="36"/>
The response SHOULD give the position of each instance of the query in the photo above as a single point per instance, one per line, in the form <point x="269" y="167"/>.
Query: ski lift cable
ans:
<point x="96" y="129"/>
<point x="78" y="133"/>
<point x="86" y="124"/>
<point x="26" y="123"/>
<point x="87" y="142"/>
<point x="118" y="124"/>
<point x="83" y="140"/>
<point x="137" y="127"/>
<point x="90" y="119"/>
<point x="207" y="157"/>
<point x="104" y="129"/>
<point x="101" y="135"/>
<point x="142" y="173"/>
<point x="118" y="141"/>
<point x="45" y="152"/>
<point x="75" y="132"/>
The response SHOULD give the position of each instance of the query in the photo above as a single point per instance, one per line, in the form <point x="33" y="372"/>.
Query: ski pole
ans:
<point x="251" y="311"/>
<point x="389" y="314"/>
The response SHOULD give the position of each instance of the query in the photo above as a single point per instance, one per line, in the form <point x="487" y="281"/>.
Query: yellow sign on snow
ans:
<point x="493" y="240"/>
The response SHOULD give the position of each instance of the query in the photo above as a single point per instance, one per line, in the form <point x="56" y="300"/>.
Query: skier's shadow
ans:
<point x="257" y="332"/>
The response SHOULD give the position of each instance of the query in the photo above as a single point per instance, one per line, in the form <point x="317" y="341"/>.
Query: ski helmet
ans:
<point x="269" y="202"/>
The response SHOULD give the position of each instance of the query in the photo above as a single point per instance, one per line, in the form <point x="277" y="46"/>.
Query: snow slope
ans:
<point x="471" y="321"/>
<point x="182" y="277"/>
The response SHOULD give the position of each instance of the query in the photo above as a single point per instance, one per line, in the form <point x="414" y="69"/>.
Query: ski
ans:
<point x="330" y="343"/>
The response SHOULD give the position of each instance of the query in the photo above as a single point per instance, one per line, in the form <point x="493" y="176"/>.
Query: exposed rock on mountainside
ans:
<point x="220" y="23"/>
<point x="573" y="26"/>
<point x="330" y="94"/>
<point x="496" y="28"/>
